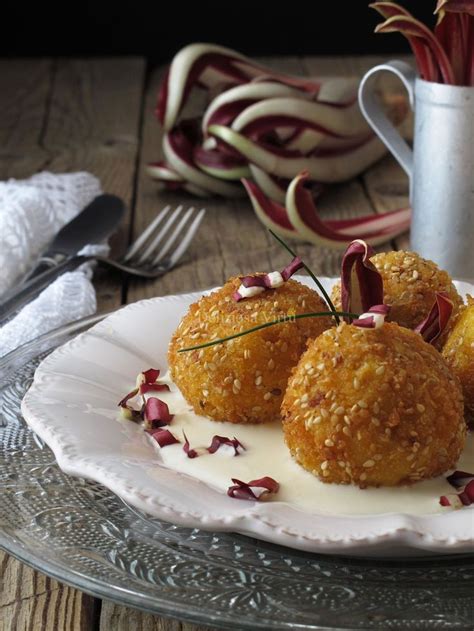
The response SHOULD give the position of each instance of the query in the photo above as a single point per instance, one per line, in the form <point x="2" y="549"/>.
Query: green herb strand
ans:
<point x="311" y="273"/>
<point x="265" y="325"/>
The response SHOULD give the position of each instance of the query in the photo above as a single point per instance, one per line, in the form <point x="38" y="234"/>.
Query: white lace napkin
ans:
<point x="31" y="213"/>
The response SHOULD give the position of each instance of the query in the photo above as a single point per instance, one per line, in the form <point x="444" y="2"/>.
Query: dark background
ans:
<point x="157" y="29"/>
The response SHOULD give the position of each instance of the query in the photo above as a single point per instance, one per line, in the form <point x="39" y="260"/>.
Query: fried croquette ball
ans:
<point x="459" y="355"/>
<point x="243" y="380"/>
<point x="410" y="283"/>
<point x="373" y="407"/>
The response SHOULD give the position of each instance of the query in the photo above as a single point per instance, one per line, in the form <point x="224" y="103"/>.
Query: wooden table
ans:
<point x="97" y="115"/>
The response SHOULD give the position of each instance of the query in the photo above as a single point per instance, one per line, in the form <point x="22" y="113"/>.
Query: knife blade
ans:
<point x="93" y="224"/>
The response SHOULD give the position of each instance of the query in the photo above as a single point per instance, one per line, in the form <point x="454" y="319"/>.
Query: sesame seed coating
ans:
<point x="252" y="371"/>
<point x="410" y="283"/>
<point x="419" y="431"/>
<point x="459" y="355"/>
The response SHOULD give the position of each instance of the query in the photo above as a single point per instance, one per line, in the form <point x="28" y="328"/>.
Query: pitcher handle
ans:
<point x="376" y="117"/>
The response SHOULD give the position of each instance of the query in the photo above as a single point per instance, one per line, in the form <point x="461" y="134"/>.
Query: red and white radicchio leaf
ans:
<point x="464" y="482"/>
<point x="304" y="217"/>
<point x="361" y="283"/>
<point x="374" y="318"/>
<point x="253" y="490"/>
<point x="437" y="320"/>
<point x="157" y="411"/>
<point x="410" y="27"/>
<point x="164" y="437"/>
<point x="191" y="453"/>
<point x="254" y="285"/>
<point x="223" y="444"/>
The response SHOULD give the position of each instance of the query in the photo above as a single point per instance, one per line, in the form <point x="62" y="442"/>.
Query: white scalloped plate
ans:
<point x="72" y="406"/>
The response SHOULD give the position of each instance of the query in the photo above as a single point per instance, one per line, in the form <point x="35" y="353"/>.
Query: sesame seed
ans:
<point x="342" y="464"/>
<point x="329" y="443"/>
<point x="376" y="408"/>
<point x="420" y="407"/>
<point x="258" y="380"/>
<point x="324" y="413"/>
<point x="339" y="410"/>
<point x="380" y="370"/>
<point x="271" y="364"/>
<point x="368" y="464"/>
<point x="356" y="383"/>
<point x="205" y="393"/>
<point x="375" y="421"/>
<point x="267" y="396"/>
<point x="362" y="404"/>
<point x="317" y="420"/>
<point x="325" y="465"/>
<point x="237" y="384"/>
<point x="320" y="367"/>
<point x="363" y="476"/>
<point x="326" y="473"/>
<point x="415" y="274"/>
<point x="346" y="431"/>
<point x="378" y="457"/>
<point x="304" y="398"/>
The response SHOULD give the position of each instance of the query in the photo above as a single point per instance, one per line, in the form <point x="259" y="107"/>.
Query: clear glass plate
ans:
<point x="82" y="534"/>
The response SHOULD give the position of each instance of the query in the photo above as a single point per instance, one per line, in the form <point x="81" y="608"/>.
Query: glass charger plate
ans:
<point x="80" y="533"/>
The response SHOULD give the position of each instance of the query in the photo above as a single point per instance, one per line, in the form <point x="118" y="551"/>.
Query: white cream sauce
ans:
<point x="266" y="454"/>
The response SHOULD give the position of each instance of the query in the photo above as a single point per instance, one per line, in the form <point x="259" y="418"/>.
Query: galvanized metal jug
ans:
<point x="440" y="167"/>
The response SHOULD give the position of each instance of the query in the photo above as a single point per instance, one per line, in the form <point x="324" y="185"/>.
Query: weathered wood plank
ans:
<point x="25" y="89"/>
<point x="31" y="601"/>
<point x="94" y="125"/>
<point x="117" y="618"/>
<point x="67" y="115"/>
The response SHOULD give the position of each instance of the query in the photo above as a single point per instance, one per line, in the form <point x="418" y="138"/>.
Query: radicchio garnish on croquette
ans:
<point x="233" y="445"/>
<point x="253" y="490"/>
<point x="361" y="282"/>
<point x="437" y="319"/>
<point x="374" y="318"/>
<point x="254" y="285"/>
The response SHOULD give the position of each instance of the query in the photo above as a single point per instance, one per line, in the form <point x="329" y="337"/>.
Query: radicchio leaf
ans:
<point x="253" y="490"/>
<point x="218" y="441"/>
<point x="191" y="453"/>
<point x="361" y="283"/>
<point x="460" y="480"/>
<point x="127" y="397"/>
<point x="151" y="375"/>
<point x="164" y="437"/>
<point x="437" y="319"/>
<point x="157" y="410"/>
<point x="153" y="387"/>
<point x="374" y="318"/>
<point x="295" y="265"/>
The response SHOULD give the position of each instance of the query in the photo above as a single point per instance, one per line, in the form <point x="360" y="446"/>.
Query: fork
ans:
<point x="156" y="251"/>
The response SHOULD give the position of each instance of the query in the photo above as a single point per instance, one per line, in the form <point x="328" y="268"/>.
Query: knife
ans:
<point x="94" y="224"/>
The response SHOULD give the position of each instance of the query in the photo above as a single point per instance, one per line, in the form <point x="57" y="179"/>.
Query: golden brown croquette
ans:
<point x="410" y="283"/>
<point x="373" y="407"/>
<point x="459" y="355"/>
<point x="243" y="380"/>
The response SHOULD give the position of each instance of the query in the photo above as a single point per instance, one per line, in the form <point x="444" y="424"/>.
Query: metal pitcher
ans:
<point x="440" y="167"/>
